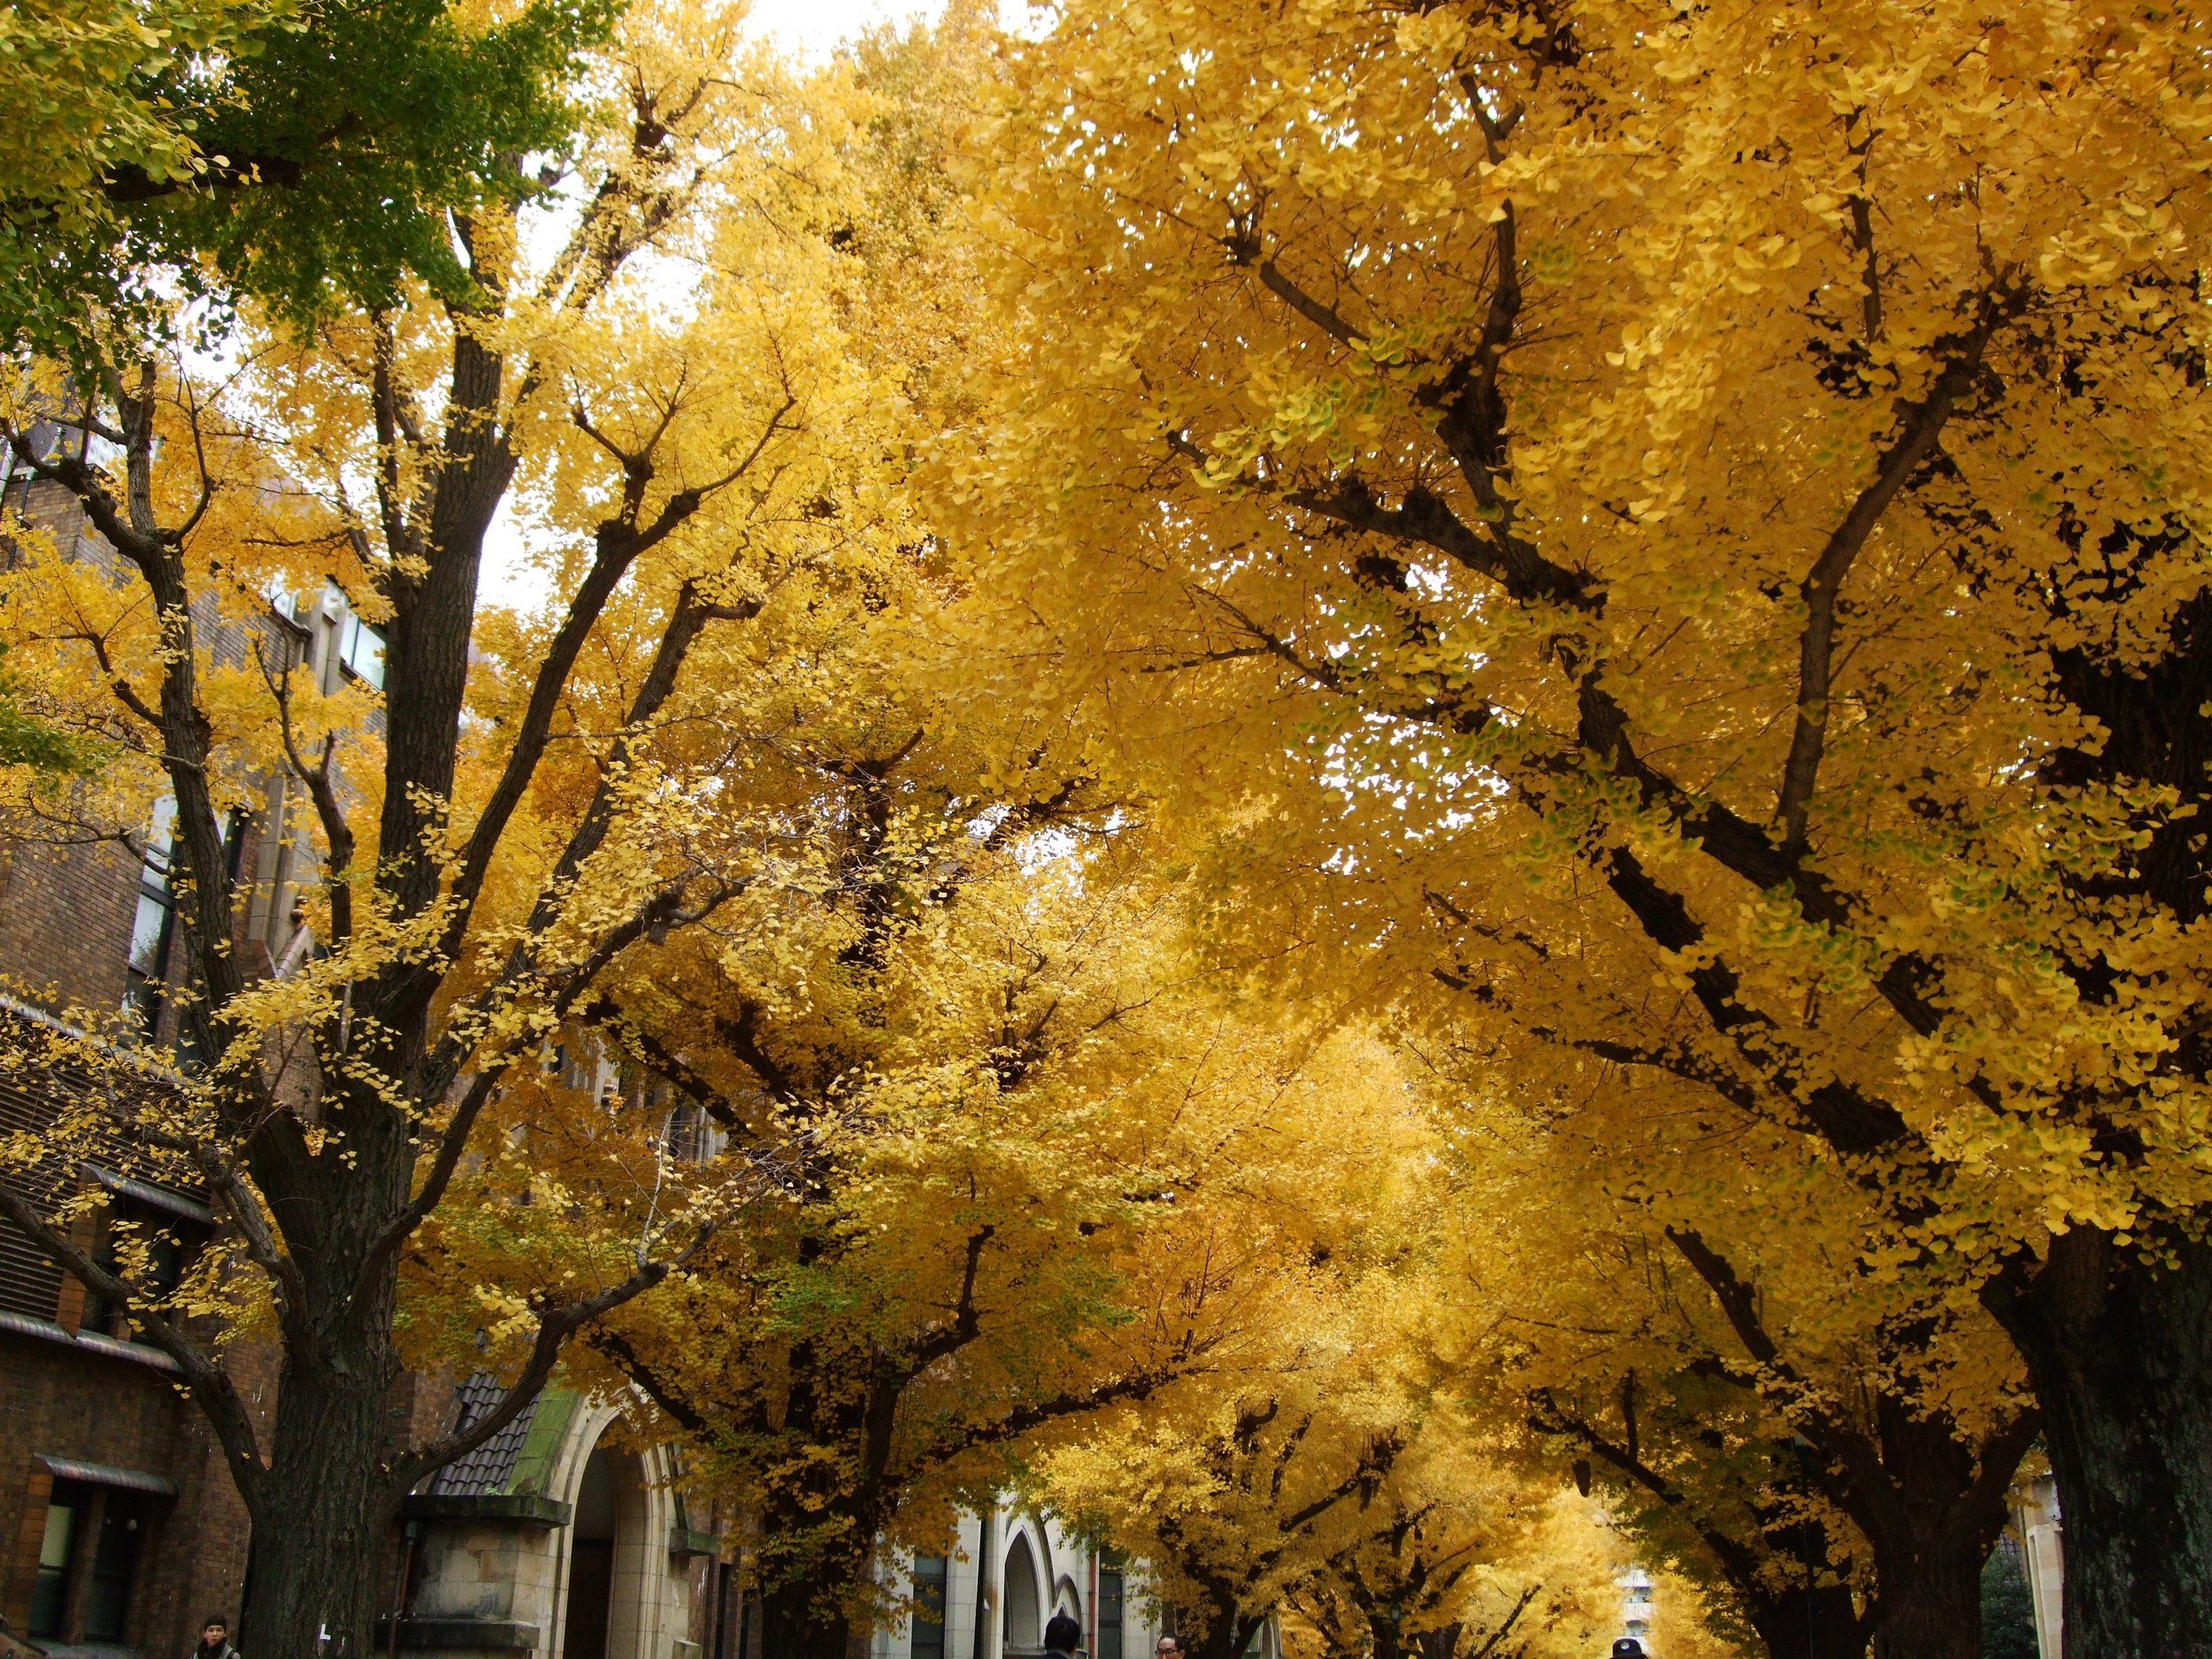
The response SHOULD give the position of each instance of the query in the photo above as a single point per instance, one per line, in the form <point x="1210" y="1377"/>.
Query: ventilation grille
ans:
<point x="29" y="1283"/>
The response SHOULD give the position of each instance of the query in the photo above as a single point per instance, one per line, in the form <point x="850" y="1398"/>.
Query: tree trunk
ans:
<point x="815" y="1568"/>
<point x="2121" y="1356"/>
<point x="1932" y="1610"/>
<point x="325" y="1505"/>
<point x="1227" y="1635"/>
<point x="324" y="1522"/>
<point x="797" y="1622"/>
<point x="1938" y="1515"/>
<point x="1818" y="1621"/>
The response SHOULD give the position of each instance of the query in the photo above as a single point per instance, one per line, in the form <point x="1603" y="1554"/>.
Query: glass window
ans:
<point x="155" y="926"/>
<point x="284" y="602"/>
<point x="361" y="648"/>
<point x="1110" y="1601"/>
<point x="929" y="1608"/>
<point x="167" y="1245"/>
<point x="89" y="1587"/>
<point x="50" y="1597"/>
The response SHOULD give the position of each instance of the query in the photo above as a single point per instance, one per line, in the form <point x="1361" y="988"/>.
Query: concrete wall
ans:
<point x="2036" y="1503"/>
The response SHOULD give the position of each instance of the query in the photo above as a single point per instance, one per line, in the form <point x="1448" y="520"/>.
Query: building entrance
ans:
<point x="591" y="1561"/>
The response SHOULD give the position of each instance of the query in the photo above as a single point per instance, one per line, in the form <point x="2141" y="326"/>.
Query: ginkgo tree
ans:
<point x="1457" y="1558"/>
<point x="1679" y="1312"/>
<point x="1717" y="490"/>
<point x="1050" y="1173"/>
<point x="304" y="156"/>
<point x="653" y="375"/>
<point x="1356" y="1522"/>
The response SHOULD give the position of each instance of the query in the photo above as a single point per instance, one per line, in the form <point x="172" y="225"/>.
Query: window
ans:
<point x="285" y="602"/>
<point x="691" y="1137"/>
<point x="30" y="1282"/>
<point x="146" y="1247"/>
<point x="361" y="648"/>
<point x="1110" y="1604"/>
<point x="929" y="1608"/>
<point x="151" y="931"/>
<point x="51" y="1599"/>
<point x="87" y="1559"/>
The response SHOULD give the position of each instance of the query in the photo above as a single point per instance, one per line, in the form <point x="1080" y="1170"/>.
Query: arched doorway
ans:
<point x="607" y="1560"/>
<point x="1025" y="1623"/>
<point x="590" y="1561"/>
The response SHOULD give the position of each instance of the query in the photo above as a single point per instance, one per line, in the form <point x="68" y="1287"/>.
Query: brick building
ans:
<point x="119" y="1528"/>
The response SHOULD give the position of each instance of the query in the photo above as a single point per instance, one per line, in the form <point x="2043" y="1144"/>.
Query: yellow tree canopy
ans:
<point x="1691" y="519"/>
<point x="1045" y="1170"/>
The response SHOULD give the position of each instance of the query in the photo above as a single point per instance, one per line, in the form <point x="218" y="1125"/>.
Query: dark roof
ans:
<point x="491" y="1466"/>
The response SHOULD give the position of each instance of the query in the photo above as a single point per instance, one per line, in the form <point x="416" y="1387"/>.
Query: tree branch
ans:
<point x="966" y="1321"/>
<point x="619" y="1353"/>
<point x="1924" y="423"/>
<point x="555" y="1327"/>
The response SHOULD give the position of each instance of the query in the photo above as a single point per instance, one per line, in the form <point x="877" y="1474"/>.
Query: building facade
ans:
<point x="555" y="1539"/>
<point x="1008" y="1573"/>
<point x="2042" y="1539"/>
<point x="120" y="1526"/>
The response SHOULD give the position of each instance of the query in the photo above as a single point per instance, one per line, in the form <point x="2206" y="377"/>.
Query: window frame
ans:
<point x="932" y="1586"/>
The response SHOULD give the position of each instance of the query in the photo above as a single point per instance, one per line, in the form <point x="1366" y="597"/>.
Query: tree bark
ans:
<point x="1819" y="1621"/>
<point x="797" y="1623"/>
<point x="810" y="1585"/>
<point x="1932" y="1610"/>
<point x="1944" y="1512"/>
<point x="1227" y="1635"/>
<point x="2121" y="1356"/>
<point x="328" y="1500"/>
<point x="320" y="1542"/>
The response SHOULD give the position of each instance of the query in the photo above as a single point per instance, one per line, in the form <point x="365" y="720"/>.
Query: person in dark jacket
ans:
<point x="214" y="1640"/>
<point x="1063" y="1635"/>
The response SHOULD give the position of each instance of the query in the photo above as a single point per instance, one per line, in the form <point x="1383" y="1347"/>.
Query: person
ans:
<point x="214" y="1640"/>
<point x="1628" y="1647"/>
<point x="1063" y="1635"/>
<point x="1169" y="1648"/>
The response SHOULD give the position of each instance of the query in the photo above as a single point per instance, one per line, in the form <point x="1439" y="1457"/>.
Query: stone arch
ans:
<point x="613" y="1595"/>
<point x="1024" y="1619"/>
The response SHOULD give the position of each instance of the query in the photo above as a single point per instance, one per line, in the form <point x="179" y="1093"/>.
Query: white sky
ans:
<point x="813" y="27"/>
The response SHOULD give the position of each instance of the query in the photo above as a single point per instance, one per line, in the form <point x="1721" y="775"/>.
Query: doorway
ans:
<point x="590" y="1561"/>
<point x="1025" y="1625"/>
